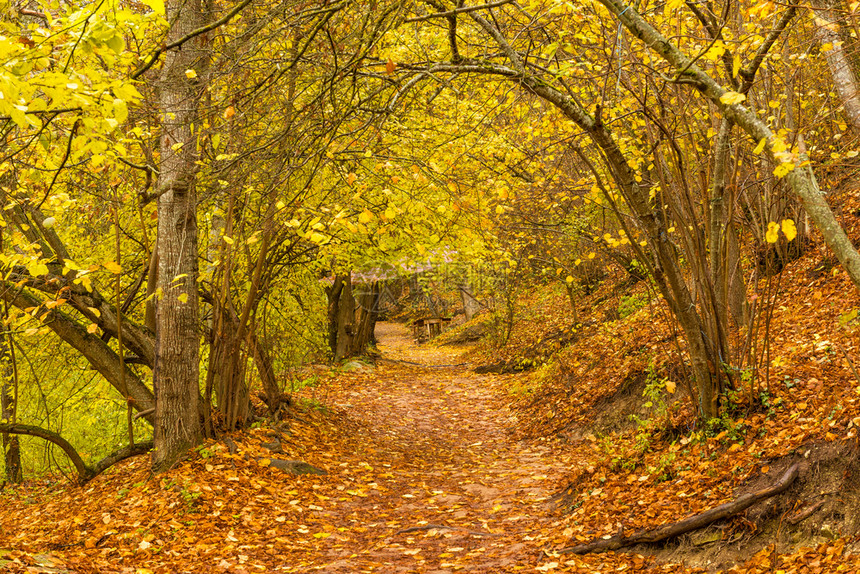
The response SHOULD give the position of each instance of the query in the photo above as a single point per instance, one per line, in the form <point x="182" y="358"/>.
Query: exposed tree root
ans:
<point x="688" y="524"/>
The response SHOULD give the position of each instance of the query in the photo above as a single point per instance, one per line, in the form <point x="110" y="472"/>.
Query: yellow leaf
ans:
<point x="390" y="213"/>
<point x="229" y="112"/>
<point x="190" y="74"/>
<point x="37" y="269"/>
<point x="778" y="145"/>
<point x="730" y="98"/>
<point x="183" y="298"/>
<point x="365" y="216"/>
<point x="783" y="169"/>
<point x="350" y="179"/>
<point x="670" y="387"/>
<point x="772" y="233"/>
<point x="760" y="147"/>
<point x="156" y="6"/>
<point x="789" y="229"/>
<point x="715" y="51"/>
<point x="228" y="240"/>
<point x="569" y="279"/>
<point x="736" y="66"/>
<point x="113" y="267"/>
<point x="92" y="328"/>
<point x="265" y="461"/>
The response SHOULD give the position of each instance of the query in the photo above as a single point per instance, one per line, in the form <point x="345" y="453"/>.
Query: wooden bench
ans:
<point x="428" y="327"/>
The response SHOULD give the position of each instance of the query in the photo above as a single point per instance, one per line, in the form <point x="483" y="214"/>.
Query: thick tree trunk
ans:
<point x="844" y="79"/>
<point x="345" y="321"/>
<point x="471" y="306"/>
<point x="177" y="424"/>
<point x="366" y="316"/>
<point x="350" y="329"/>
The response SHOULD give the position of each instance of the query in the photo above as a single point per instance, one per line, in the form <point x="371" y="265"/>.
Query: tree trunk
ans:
<point x="827" y="33"/>
<point x="471" y="306"/>
<point x="176" y="373"/>
<point x="350" y="330"/>
<point x="726" y="272"/>
<point x="345" y="321"/>
<point x="11" y="446"/>
<point x="227" y="371"/>
<point x="366" y="316"/>
<point x="266" y="371"/>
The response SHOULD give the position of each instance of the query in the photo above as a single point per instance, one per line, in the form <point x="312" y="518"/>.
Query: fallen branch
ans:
<point x="688" y="524"/>
<point x="805" y="513"/>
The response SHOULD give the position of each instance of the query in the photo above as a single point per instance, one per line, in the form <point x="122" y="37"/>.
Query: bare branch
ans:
<point x="456" y="11"/>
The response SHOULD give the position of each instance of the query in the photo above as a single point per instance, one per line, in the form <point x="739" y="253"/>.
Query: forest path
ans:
<point x="440" y="452"/>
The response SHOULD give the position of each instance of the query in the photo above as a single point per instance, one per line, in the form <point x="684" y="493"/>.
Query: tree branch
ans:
<point x="456" y="11"/>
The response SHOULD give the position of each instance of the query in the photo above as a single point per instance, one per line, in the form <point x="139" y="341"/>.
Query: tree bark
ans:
<point x="177" y="341"/>
<point x="844" y="79"/>
<point x="366" y="316"/>
<point x="11" y="445"/>
<point x="471" y="306"/>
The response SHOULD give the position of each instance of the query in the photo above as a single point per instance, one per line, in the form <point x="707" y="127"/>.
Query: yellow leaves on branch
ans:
<point x="773" y="228"/>
<point x="730" y="98"/>
<point x="113" y="267"/>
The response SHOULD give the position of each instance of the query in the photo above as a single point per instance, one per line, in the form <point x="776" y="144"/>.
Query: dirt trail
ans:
<point x="439" y="443"/>
<point x="423" y="475"/>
